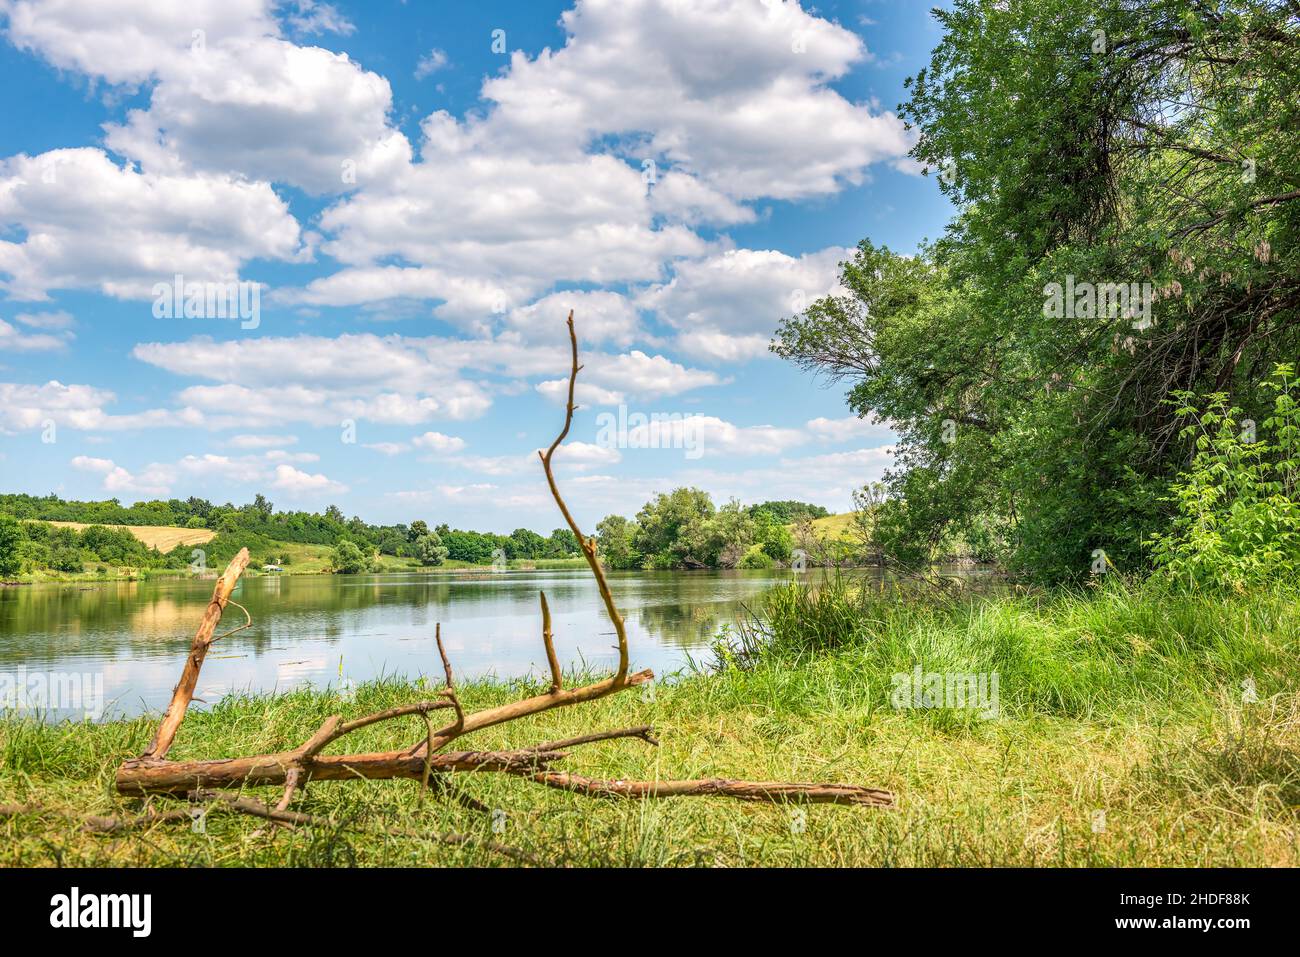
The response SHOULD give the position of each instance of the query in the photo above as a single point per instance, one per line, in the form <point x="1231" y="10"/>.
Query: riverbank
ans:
<point x="387" y="564"/>
<point x="1129" y="729"/>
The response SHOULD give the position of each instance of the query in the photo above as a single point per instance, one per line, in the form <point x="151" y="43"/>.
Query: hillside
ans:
<point x="162" y="537"/>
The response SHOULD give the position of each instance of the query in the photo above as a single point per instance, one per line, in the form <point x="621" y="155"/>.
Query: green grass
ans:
<point x="1125" y="701"/>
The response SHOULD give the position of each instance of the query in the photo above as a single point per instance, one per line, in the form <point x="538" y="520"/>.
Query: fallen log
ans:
<point x="426" y="760"/>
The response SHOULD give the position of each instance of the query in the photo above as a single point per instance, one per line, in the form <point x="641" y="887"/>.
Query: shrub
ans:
<point x="348" y="559"/>
<point x="1237" y="521"/>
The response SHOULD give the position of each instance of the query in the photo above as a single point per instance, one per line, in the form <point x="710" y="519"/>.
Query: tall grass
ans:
<point x="1117" y="648"/>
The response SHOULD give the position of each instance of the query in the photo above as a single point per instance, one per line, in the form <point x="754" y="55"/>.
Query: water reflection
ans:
<point x="321" y="629"/>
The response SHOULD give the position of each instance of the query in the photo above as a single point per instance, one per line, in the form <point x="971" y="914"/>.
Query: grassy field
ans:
<point x="1131" y="729"/>
<point x="162" y="537"/>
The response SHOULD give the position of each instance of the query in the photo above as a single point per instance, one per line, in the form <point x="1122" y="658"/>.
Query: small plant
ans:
<point x="1237" y="521"/>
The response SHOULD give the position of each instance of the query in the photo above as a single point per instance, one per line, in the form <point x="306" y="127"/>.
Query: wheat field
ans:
<point x="162" y="537"/>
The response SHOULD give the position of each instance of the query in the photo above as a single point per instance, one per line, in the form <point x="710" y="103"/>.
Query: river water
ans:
<point x="127" y="641"/>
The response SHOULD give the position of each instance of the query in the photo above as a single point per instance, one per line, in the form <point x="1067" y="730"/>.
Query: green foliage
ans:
<point x="614" y="543"/>
<point x="755" y="557"/>
<point x="10" y="539"/>
<point x="430" y="550"/>
<point x="771" y="535"/>
<point x="1042" y="433"/>
<point x="348" y="559"/>
<point x="1237" y="518"/>
<point x="788" y="511"/>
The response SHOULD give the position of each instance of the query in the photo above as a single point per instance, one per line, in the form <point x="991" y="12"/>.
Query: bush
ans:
<point x="756" y="557"/>
<point x="1237" y="522"/>
<point x="348" y="559"/>
<point x="66" y="560"/>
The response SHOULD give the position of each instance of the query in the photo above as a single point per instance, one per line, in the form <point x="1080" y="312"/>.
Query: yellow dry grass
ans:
<point x="162" y="537"/>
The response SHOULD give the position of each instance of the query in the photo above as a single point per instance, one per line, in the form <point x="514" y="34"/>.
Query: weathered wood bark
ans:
<point x="184" y="690"/>
<point x="146" y="777"/>
<point x="152" y="773"/>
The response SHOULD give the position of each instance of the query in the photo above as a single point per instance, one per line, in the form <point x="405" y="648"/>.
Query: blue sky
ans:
<point x="421" y="191"/>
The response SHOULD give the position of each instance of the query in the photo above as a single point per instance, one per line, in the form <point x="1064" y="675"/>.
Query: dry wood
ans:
<point x="184" y="691"/>
<point x="426" y="760"/>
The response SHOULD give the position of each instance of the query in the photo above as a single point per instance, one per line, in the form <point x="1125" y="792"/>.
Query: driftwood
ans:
<point x="427" y="760"/>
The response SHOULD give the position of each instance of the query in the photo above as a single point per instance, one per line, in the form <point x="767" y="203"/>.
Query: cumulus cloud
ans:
<point x="25" y="407"/>
<point x="389" y="379"/>
<point x="851" y="428"/>
<point x="89" y="223"/>
<point x="728" y="305"/>
<point x="261" y="441"/>
<point x="437" y="442"/>
<point x="251" y="471"/>
<point x="736" y="96"/>
<point x="15" y="340"/>
<point x="296" y="482"/>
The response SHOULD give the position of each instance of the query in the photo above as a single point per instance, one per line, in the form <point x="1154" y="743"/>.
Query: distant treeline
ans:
<point x="684" y="529"/>
<point x="701" y="536"/>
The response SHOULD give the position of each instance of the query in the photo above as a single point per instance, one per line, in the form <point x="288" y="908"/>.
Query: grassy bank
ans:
<point x="1130" y="703"/>
<point x="303" y="560"/>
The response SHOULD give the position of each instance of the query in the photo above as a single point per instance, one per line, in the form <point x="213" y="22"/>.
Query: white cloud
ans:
<point x="252" y="471"/>
<point x="155" y="480"/>
<point x="312" y="17"/>
<point x="735" y="95"/>
<point x="708" y="435"/>
<point x="126" y="41"/>
<point x="431" y="62"/>
<point x="24" y="407"/>
<point x="585" y="394"/>
<point x="295" y="482"/>
<point x="727" y="306"/>
<point x="15" y="340"/>
<point x="269" y="110"/>
<point x="53" y="321"/>
<point x="437" y="442"/>
<point x="647" y="376"/>
<point x="851" y="428"/>
<point x="261" y="441"/>
<point x="88" y="223"/>
<point x="393" y="379"/>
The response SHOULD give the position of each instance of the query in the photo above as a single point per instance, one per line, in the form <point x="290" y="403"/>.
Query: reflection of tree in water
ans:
<point x="136" y="620"/>
<point x="683" y="624"/>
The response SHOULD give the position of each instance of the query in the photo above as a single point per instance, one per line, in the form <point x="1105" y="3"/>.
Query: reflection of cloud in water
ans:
<point x="299" y="671"/>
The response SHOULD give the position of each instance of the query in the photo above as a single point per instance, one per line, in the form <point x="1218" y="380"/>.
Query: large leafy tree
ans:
<point x="1127" y="141"/>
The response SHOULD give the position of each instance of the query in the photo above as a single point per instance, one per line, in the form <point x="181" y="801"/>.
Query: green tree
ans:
<point x="430" y="550"/>
<point x="11" y="537"/>
<point x="772" y="537"/>
<point x="348" y="558"/>
<point x="614" y="537"/>
<point x="525" y="543"/>
<point x="1029" y="395"/>
<point x="672" y="529"/>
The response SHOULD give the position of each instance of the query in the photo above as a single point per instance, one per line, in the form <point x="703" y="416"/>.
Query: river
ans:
<point x="128" y="640"/>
